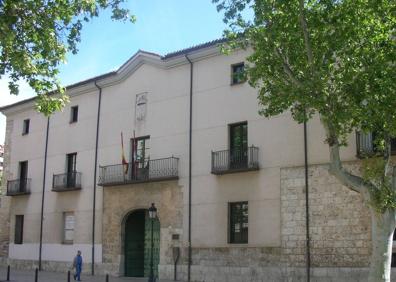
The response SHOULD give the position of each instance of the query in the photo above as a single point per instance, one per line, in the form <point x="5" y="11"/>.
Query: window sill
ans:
<point x="238" y="244"/>
<point x="67" y="243"/>
<point x="237" y="83"/>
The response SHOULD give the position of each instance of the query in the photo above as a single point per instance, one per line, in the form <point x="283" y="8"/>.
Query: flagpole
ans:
<point x="122" y="156"/>
<point x="133" y="155"/>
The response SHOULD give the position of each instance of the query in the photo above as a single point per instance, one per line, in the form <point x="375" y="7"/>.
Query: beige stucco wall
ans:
<point x="216" y="104"/>
<point x="63" y="138"/>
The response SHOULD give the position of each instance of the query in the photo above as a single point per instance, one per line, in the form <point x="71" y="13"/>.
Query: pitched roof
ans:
<point x="194" y="48"/>
<point x="106" y="75"/>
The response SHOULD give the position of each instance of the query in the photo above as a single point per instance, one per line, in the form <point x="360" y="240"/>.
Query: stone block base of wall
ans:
<point x="266" y="274"/>
<point x="58" y="266"/>
<point x="206" y="273"/>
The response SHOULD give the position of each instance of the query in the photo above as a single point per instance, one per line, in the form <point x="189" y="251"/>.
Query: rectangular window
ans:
<point x="74" y="114"/>
<point x="18" y="239"/>
<point x="23" y="175"/>
<point x="366" y="144"/>
<point x="238" y="73"/>
<point x="71" y="168"/>
<point x="238" y="222"/>
<point x="141" y="149"/>
<point x="26" y="125"/>
<point x="71" y="162"/>
<point x="68" y="227"/>
<point x="140" y="158"/>
<point x="238" y="145"/>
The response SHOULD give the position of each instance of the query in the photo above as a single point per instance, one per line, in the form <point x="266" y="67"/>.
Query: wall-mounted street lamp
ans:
<point x="152" y="215"/>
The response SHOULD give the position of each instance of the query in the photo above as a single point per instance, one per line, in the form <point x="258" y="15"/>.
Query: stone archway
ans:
<point x="137" y="244"/>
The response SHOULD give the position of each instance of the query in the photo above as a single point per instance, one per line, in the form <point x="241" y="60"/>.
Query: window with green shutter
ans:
<point x="238" y="223"/>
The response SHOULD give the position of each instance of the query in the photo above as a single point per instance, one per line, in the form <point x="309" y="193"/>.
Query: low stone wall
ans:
<point x="267" y="274"/>
<point x="56" y="266"/>
<point x="340" y="230"/>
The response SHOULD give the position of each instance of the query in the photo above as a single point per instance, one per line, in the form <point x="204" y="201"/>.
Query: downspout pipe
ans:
<point x="308" y="245"/>
<point x="94" y="180"/>
<point x="189" y="169"/>
<point x="43" y="195"/>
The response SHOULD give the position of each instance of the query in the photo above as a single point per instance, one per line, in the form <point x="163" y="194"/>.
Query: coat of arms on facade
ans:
<point x="141" y="106"/>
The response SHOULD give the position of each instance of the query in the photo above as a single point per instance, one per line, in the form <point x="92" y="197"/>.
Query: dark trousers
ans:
<point x="78" y="273"/>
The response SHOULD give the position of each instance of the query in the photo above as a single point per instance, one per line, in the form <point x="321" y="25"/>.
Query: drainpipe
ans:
<point x="189" y="172"/>
<point x="308" y="250"/>
<point x="94" y="185"/>
<point x="43" y="194"/>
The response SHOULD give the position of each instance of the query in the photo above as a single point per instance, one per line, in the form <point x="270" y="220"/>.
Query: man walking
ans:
<point x="77" y="264"/>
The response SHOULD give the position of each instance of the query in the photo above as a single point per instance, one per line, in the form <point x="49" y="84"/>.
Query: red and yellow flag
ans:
<point x="124" y="161"/>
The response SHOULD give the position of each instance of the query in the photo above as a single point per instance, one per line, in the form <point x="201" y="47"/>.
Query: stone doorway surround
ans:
<point x="119" y="201"/>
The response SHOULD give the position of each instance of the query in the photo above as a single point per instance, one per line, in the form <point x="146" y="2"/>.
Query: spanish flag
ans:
<point x="124" y="162"/>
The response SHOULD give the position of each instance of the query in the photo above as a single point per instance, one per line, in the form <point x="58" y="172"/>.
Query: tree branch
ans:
<point x="351" y="181"/>
<point x="287" y="69"/>
<point x="304" y="27"/>
<point x="387" y="159"/>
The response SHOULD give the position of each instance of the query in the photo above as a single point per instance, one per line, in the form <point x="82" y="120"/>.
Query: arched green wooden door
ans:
<point x="147" y="246"/>
<point x="134" y="244"/>
<point x="138" y="244"/>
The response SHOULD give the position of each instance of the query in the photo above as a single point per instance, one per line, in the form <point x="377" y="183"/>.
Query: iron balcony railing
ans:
<point x="139" y="171"/>
<point x="18" y="187"/>
<point x="229" y="161"/>
<point x="66" y="181"/>
<point x="365" y="145"/>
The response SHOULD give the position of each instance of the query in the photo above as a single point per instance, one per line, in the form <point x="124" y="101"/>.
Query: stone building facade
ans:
<point x="228" y="183"/>
<point x="4" y="201"/>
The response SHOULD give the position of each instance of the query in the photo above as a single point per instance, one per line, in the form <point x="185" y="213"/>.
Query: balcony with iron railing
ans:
<point x="139" y="172"/>
<point x="66" y="182"/>
<point x="365" y="145"/>
<point x="18" y="187"/>
<point x="231" y="161"/>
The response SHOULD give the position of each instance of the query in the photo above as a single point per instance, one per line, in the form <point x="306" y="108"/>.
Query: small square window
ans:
<point x="18" y="238"/>
<point x="238" y="223"/>
<point x="26" y="124"/>
<point x="68" y="227"/>
<point x="238" y="73"/>
<point x="74" y="114"/>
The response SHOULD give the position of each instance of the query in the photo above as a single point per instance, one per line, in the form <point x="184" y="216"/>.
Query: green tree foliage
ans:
<point x="35" y="36"/>
<point x="335" y="59"/>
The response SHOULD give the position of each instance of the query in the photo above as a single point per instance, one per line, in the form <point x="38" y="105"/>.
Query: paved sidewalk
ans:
<point x="45" y="276"/>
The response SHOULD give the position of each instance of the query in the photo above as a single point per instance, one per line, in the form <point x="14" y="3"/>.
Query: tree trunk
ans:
<point x="383" y="226"/>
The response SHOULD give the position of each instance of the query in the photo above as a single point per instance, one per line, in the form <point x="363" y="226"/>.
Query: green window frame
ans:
<point x="238" y="214"/>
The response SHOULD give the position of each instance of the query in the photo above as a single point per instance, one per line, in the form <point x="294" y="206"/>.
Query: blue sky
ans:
<point x="162" y="26"/>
